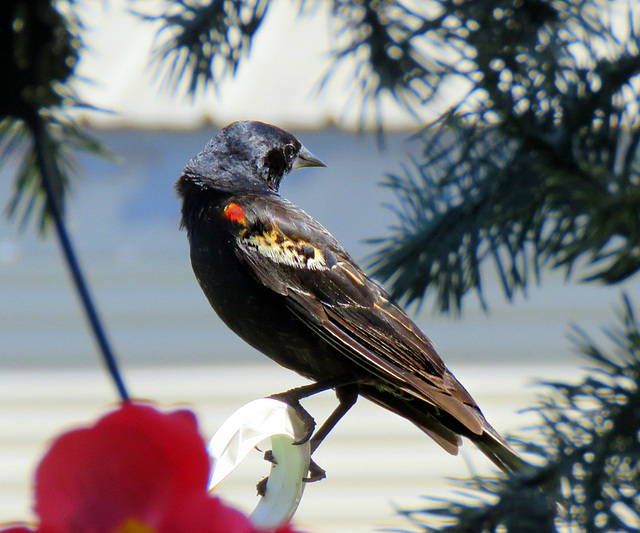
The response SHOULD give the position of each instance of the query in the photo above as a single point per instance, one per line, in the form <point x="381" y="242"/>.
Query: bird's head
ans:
<point x="249" y="153"/>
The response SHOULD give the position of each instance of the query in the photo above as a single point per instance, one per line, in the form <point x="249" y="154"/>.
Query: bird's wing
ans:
<point x="292" y="254"/>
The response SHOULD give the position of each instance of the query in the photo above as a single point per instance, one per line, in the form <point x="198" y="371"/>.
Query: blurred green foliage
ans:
<point x="537" y="164"/>
<point x="41" y="50"/>
<point x="586" y="449"/>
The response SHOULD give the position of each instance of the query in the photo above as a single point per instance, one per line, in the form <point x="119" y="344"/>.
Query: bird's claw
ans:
<point x="268" y="456"/>
<point x="309" y="424"/>
<point x="306" y="437"/>
<point x="316" y="473"/>
<point x="261" y="486"/>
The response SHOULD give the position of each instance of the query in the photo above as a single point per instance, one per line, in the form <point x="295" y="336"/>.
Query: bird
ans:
<point x="283" y="283"/>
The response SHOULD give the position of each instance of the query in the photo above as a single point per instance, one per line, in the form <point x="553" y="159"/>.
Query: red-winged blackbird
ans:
<point x="279" y="280"/>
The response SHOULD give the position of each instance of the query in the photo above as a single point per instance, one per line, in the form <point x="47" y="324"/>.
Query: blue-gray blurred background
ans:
<point x="123" y="216"/>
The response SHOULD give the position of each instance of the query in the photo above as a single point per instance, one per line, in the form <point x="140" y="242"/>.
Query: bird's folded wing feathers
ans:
<point x="291" y="254"/>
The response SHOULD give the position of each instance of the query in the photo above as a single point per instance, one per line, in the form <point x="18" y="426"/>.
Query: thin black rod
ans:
<point x="86" y="300"/>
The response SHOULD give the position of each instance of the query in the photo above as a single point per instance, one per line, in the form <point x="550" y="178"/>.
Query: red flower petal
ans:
<point x="206" y="514"/>
<point x="134" y="464"/>
<point x="136" y="471"/>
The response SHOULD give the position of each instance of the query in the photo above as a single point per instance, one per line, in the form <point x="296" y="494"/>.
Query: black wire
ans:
<point x="91" y="313"/>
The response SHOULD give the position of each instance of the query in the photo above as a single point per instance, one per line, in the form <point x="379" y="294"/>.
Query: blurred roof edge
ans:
<point x="278" y="82"/>
<point x="155" y="123"/>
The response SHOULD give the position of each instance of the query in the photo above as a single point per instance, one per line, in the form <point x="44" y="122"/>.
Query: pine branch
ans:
<point x="538" y="166"/>
<point x="203" y="43"/>
<point x="587" y="449"/>
<point x="42" y="49"/>
<point x="63" y="139"/>
<point x="387" y="42"/>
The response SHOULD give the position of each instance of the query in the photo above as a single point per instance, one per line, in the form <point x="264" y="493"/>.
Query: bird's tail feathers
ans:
<point x="499" y="452"/>
<point x="489" y="441"/>
<point x="448" y="440"/>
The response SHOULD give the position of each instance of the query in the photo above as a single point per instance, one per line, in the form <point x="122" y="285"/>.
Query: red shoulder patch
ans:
<point x="235" y="213"/>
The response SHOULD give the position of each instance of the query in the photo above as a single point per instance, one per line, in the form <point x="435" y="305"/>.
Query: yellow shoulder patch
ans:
<point x="280" y="249"/>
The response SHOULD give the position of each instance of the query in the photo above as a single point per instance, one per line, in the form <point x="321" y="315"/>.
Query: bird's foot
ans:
<point x="268" y="456"/>
<point x="261" y="486"/>
<point x="308" y="421"/>
<point x="316" y="473"/>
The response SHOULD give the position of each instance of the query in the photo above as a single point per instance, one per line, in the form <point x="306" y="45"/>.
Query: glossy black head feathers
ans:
<point x="246" y="154"/>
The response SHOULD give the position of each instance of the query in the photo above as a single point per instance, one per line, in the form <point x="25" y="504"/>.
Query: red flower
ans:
<point x="136" y="471"/>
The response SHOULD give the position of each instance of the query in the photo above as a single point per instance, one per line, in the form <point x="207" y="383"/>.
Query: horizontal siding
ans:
<point x="374" y="460"/>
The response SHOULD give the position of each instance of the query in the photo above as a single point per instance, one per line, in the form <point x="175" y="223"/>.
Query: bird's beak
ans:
<point x="306" y="159"/>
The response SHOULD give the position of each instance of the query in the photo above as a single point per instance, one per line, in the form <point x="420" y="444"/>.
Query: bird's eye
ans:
<point x="289" y="151"/>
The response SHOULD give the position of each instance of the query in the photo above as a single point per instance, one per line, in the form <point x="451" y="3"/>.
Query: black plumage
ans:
<point x="279" y="280"/>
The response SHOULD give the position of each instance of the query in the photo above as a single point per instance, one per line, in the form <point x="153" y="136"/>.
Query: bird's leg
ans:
<point x="305" y="391"/>
<point x="316" y="473"/>
<point x="347" y="396"/>
<point x="292" y="398"/>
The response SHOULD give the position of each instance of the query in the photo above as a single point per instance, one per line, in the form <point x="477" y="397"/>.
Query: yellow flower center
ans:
<point x="133" y="525"/>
